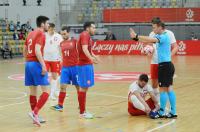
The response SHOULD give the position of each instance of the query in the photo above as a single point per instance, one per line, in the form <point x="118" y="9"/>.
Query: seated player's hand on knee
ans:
<point x="147" y="109"/>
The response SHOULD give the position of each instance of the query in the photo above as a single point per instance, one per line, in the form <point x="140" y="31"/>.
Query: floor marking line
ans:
<point x="161" y="126"/>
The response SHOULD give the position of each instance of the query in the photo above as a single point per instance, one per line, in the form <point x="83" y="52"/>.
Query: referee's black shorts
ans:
<point x="165" y="74"/>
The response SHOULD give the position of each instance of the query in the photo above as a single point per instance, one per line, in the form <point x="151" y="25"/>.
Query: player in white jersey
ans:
<point x="154" y="60"/>
<point x="52" y="57"/>
<point x="138" y="104"/>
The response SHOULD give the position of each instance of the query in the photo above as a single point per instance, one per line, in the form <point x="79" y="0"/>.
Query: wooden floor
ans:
<point x="107" y="100"/>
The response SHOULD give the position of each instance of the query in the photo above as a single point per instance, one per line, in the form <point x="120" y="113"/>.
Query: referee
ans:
<point x="165" y="69"/>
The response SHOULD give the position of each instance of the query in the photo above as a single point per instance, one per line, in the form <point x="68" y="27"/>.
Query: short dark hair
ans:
<point x="87" y="24"/>
<point x="52" y="25"/>
<point x="40" y="20"/>
<point x="157" y="20"/>
<point x="144" y="77"/>
<point x="66" y="28"/>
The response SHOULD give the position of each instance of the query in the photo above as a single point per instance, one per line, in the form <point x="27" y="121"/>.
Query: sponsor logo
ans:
<point x="189" y="15"/>
<point x="181" y="48"/>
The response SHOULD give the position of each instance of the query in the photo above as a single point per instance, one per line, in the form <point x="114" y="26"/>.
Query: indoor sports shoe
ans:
<point x="57" y="108"/>
<point x="154" y="115"/>
<point x="86" y="115"/>
<point x="159" y="113"/>
<point x="171" y="116"/>
<point x="35" y="118"/>
<point x="41" y="119"/>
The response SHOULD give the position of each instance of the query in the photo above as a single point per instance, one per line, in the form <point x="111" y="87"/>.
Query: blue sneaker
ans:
<point x="154" y="115"/>
<point x="57" y="108"/>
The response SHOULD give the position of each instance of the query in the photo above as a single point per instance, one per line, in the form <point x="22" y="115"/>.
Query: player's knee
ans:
<point x="133" y="98"/>
<point x="63" y="87"/>
<point x="83" y="89"/>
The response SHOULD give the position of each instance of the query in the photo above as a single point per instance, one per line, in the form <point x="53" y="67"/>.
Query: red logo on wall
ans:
<point x="189" y="15"/>
<point x="181" y="48"/>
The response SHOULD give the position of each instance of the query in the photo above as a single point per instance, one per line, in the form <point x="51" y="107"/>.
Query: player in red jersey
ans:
<point x="85" y="66"/>
<point x="35" y="69"/>
<point x="69" y="72"/>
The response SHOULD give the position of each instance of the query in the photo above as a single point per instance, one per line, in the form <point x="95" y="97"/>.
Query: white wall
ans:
<point x="16" y="11"/>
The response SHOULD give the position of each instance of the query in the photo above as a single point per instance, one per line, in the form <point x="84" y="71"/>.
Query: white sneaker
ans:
<point x="35" y="118"/>
<point x="41" y="119"/>
<point x="87" y="115"/>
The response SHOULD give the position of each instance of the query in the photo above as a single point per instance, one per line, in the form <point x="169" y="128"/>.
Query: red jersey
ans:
<point x="69" y="52"/>
<point x="84" y="39"/>
<point x="33" y="38"/>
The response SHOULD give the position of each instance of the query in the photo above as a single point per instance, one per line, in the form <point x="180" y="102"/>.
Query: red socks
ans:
<point x="82" y="100"/>
<point x="61" y="98"/>
<point x="43" y="99"/>
<point x="33" y="101"/>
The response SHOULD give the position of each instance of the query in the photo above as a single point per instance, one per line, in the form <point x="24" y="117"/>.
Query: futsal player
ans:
<point x="85" y="66"/>
<point x="52" y="57"/>
<point x="138" y="104"/>
<point x="35" y="68"/>
<point x="69" y="71"/>
<point x="165" y="67"/>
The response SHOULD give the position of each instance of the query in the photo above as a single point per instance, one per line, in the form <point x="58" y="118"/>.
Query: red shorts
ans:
<point x="154" y="71"/>
<point x="53" y="66"/>
<point x="136" y="112"/>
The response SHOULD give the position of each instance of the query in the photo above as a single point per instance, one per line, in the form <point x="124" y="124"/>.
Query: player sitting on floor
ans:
<point x="137" y="103"/>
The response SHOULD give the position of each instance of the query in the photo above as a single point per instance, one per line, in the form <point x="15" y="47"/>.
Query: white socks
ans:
<point x="53" y="87"/>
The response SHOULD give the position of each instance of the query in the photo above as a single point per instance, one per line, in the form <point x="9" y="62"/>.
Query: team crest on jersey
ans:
<point x="88" y="82"/>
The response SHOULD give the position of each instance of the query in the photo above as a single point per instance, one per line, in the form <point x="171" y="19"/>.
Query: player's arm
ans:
<point x="87" y="53"/>
<point x="153" y="97"/>
<point x="40" y="58"/>
<point x="96" y="57"/>
<point x="144" y="39"/>
<point x="24" y="51"/>
<point x="174" y="48"/>
<point x="61" y="55"/>
<point x="137" y="94"/>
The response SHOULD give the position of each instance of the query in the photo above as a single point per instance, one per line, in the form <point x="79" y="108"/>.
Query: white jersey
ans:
<point x="143" y="91"/>
<point x="51" y="48"/>
<point x="154" y="59"/>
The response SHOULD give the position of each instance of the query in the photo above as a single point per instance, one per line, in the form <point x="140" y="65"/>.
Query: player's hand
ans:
<point x="147" y="109"/>
<point x="61" y="64"/>
<point x="98" y="59"/>
<point x="94" y="60"/>
<point x="132" y="33"/>
<point x="44" y="70"/>
<point x="157" y="107"/>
